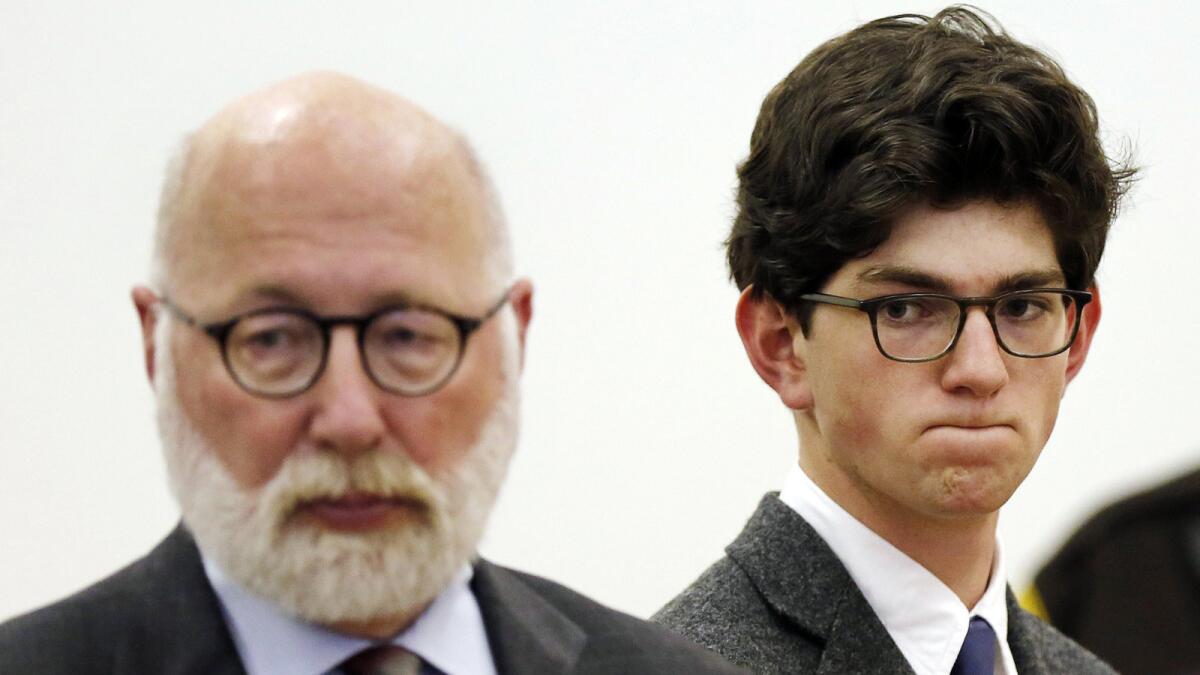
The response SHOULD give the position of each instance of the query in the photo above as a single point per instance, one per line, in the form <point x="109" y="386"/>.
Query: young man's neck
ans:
<point x="959" y="551"/>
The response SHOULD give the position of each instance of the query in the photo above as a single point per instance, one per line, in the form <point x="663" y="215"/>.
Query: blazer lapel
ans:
<point x="525" y="632"/>
<point x="858" y="642"/>
<point x="801" y="579"/>
<point x="1021" y="639"/>
<point x="179" y="625"/>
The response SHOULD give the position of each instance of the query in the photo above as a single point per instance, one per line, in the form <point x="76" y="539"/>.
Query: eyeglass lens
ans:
<point x="408" y="350"/>
<point x="404" y="350"/>
<point x="274" y="352"/>
<point x="1027" y="324"/>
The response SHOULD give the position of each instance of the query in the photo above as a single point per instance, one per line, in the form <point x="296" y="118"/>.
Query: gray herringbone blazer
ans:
<point x="781" y="602"/>
<point x="160" y="616"/>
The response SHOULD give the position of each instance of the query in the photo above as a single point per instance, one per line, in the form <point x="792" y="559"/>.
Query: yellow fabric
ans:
<point x="1032" y="602"/>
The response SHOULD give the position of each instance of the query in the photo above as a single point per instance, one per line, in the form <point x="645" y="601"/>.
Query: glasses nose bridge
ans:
<point x="358" y="324"/>
<point x="988" y="305"/>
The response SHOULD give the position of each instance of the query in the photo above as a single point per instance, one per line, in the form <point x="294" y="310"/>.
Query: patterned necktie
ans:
<point x="382" y="660"/>
<point x="978" y="653"/>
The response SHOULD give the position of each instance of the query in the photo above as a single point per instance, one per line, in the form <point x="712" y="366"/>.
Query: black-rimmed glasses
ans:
<point x="410" y="350"/>
<point x="916" y="327"/>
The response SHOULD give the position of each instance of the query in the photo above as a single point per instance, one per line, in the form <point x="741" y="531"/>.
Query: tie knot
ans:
<point x="382" y="660"/>
<point x="978" y="653"/>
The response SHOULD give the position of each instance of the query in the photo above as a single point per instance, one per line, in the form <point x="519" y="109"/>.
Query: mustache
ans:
<point x="304" y="478"/>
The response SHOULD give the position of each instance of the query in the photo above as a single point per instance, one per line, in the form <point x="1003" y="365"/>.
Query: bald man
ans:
<point x="334" y="336"/>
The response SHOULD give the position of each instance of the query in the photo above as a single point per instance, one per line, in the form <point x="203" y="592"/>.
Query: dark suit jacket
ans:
<point x="782" y="602"/>
<point x="1127" y="583"/>
<point x="160" y="616"/>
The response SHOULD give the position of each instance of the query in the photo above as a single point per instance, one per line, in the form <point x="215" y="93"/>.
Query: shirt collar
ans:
<point x="449" y="634"/>
<point x="925" y="619"/>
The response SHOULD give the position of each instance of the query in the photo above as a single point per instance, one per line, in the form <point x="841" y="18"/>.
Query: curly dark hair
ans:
<point x="907" y="110"/>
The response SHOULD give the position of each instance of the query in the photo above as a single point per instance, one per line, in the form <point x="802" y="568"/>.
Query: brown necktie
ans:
<point x="382" y="660"/>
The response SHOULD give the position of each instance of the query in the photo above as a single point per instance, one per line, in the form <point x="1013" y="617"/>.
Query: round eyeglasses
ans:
<point x="916" y="327"/>
<point x="409" y="350"/>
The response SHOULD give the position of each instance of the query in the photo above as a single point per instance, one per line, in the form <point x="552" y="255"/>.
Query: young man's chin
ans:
<point x="967" y="493"/>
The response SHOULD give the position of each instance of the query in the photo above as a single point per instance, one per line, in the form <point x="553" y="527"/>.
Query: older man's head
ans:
<point x="335" y="341"/>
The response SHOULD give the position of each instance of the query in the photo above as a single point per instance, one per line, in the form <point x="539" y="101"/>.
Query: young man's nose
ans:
<point x="977" y="361"/>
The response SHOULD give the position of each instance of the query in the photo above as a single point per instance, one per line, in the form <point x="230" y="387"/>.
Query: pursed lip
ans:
<point x="359" y="511"/>
<point x="971" y="424"/>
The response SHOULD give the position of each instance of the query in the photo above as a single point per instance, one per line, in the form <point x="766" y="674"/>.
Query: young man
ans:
<point x="919" y="221"/>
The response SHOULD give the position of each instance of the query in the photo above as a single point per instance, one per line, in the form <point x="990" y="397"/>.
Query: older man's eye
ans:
<point x="401" y="337"/>
<point x="270" y="340"/>
<point x="410" y="344"/>
<point x="273" y="336"/>
<point x="409" y="330"/>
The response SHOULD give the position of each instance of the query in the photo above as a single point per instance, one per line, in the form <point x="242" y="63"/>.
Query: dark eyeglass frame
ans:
<point x="871" y="307"/>
<point x="220" y="330"/>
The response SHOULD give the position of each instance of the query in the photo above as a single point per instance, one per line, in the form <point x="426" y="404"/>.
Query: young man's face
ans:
<point x="948" y="438"/>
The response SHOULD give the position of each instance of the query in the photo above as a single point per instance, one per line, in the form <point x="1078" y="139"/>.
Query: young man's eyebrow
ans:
<point x="925" y="281"/>
<point x="1048" y="278"/>
<point x="908" y="276"/>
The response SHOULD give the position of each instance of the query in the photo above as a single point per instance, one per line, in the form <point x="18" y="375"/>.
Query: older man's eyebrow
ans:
<point x="287" y="297"/>
<point x="400" y="299"/>
<point x="273" y="294"/>
<point x="925" y="281"/>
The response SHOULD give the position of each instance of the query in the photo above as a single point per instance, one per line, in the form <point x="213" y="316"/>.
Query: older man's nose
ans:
<point x="348" y="418"/>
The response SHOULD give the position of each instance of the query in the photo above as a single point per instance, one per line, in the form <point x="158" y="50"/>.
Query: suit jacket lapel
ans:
<point x="525" y="632"/>
<point x="180" y="627"/>
<point x="1021" y="640"/>
<point x="801" y="579"/>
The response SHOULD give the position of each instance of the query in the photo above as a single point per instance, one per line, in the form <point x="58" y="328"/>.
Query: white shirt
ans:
<point x="925" y="619"/>
<point x="449" y="635"/>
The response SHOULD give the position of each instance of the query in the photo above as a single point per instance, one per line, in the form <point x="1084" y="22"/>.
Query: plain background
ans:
<point x="612" y="129"/>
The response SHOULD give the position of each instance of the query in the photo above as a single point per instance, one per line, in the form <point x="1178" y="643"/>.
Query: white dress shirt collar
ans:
<point x="448" y="635"/>
<point x="925" y="619"/>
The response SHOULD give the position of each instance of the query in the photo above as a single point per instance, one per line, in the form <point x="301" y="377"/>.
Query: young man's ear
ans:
<point x="1083" y="339"/>
<point x="145" y="301"/>
<point x="771" y="336"/>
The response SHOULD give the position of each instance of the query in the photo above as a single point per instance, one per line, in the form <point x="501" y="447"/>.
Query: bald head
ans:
<point x="366" y="150"/>
<point x="325" y="199"/>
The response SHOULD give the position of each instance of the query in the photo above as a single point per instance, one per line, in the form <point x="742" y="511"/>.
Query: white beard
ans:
<point x="322" y="575"/>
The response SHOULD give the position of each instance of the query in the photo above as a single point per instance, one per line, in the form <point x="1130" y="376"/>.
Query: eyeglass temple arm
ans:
<point x="832" y="300"/>
<point x="176" y="312"/>
<point x="217" y="331"/>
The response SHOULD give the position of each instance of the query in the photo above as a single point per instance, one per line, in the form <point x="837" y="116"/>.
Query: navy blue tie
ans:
<point x="978" y="653"/>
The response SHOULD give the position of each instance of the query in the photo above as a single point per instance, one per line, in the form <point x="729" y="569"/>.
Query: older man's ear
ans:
<point x="521" y="297"/>
<point x="145" y="301"/>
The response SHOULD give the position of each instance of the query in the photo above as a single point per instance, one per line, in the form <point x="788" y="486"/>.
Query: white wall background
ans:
<point x="613" y="129"/>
